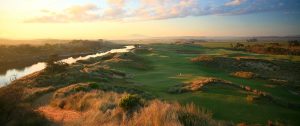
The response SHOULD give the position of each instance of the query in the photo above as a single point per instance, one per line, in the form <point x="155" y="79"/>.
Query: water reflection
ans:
<point x="14" y="74"/>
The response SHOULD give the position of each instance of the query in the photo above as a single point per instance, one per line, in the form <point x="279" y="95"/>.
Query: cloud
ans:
<point x="115" y="11"/>
<point x="122" y="10"/>
<point x="235" y="2"/>
<point x="118" y="3"/>
<point x="163" y="9"/>
<point x="77" y="13"/>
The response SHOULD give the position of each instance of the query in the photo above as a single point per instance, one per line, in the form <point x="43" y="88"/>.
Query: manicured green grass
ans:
<point x="226" y="104"/>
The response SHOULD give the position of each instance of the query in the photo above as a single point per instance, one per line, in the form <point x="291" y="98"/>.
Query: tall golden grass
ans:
<point x="102" y="108"/>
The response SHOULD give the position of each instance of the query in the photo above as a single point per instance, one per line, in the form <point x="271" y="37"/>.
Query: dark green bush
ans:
<point x="94" y="86"/>
<point x="56" y="67"/>
<point x="130" y="101"/>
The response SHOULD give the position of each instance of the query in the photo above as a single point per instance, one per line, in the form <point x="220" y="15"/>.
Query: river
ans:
<point x="13" y="74"/>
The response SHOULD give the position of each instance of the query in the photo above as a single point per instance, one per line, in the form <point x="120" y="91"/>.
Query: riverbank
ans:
<point x="14" y="74"/>
<point x="20" y="56"/>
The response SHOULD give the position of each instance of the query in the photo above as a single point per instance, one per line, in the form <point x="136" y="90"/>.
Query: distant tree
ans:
<point x="53" y="65"/>
<point x="52" y="58"/>
<point x="275" y="44"/>
<point x="231" y="45"/>
<point x="238" y="45"/>
<point x="293" y="43"/>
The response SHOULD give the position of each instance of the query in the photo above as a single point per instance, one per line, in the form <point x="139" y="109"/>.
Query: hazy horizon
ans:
<point x="163" y="38"/>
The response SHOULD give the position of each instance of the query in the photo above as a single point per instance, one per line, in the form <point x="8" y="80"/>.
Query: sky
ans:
<point x="126" y="19"/>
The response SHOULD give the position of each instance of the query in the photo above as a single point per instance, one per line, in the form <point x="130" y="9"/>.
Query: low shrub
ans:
<point x="94" y="86"/>
<point x="129" y="102"/>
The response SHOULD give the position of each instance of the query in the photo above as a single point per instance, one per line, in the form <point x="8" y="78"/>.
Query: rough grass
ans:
<point x="98" y="107"/>
<point x="200" y="84"/>
<point x="15" y="111"/>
